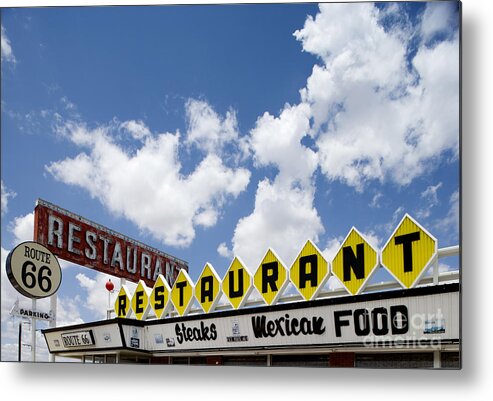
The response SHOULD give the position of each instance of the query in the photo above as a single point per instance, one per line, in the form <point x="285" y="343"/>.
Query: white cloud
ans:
<point x="449" y="225"/>
<point x="137" y="129"/>
<point x="375" y="202"/>
<point x="333" y="245"/>
<point x="374" y="117"/>
<point x="6" y="194"/>
<point x="277" y="142"/>
<point x="430" y="196"/>
<point x="442" y="268"/>
<point x="373" y="239"/>
<point x="147" y="186"/>
<point x="7" y="52"/>
<point x="208" y="131"/>
<point x="437" y="18"/>
<point x="283" y="218"/>
<point x="224" y="251"/>
<point x="23" y="228"/>
<point x="95" y="295"/>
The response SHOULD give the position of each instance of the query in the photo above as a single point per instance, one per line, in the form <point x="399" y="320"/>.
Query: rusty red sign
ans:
<point x="83" y="242"/>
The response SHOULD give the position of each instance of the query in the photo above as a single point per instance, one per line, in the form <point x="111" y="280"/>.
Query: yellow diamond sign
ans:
<point x="309" y="271"/>
<point x="122" y="303"/>
<point x="237" y="283"/>
<point x="208" y="289"/>
<point x="355" y="261"/>
<point x="160" y="297"/>
<point x="182" y="293"/>
<point x="140" y="301"/>
<point x="409" y="252"/>
<point x="271" y="278"/>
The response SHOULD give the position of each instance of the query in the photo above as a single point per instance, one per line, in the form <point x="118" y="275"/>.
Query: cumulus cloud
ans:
<point x="333" y="245"/>
<point x="284" y="216"/>
<point x="210" y="132"/>
<point x="95" y="295"/>
<point x="7" y="52"/>
<point x="379" y="114"/>
<point x="277" y="142"/>
<point x="23" y="228"/>
<point x="375" y="110"/>
<point x="439" y="17"/>
<point x="147" y="186"/>
<point x="6" y="194"/>
<point x="137" y="129"/>
<point x="449" y="225"/>
<point x="224" y="251"/>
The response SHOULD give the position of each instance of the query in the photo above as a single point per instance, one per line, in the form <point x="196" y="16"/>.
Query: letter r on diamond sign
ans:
<point x="409" y="252"/>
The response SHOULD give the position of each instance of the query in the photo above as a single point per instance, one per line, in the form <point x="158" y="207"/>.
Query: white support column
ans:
<point x="437" y="361"/>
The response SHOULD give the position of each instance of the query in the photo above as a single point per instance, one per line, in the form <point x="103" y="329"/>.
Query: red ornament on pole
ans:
<point x="110" y="286"/>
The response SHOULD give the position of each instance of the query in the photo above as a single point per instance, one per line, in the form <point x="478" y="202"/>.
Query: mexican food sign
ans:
<point x="83" y="242"/>
<point x="419" y="317"/>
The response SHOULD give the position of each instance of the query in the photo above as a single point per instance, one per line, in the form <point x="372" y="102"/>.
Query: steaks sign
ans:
<point x="83" y="242"/>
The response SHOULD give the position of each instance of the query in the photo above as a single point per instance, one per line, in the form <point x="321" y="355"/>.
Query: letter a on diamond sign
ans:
<point x="208" y="289"/>
<point x="409" y="252"/>
<point x="309" y="271"/>
<point x="354" y="262"/>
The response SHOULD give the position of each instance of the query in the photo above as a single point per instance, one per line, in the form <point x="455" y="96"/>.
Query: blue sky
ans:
<point x="213" y="131"/>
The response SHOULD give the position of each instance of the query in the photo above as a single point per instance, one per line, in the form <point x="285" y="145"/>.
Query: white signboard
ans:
<point x="420" y="317"/>
<point x="83" y="337"/>
<point x="78" y="339"/>
<point x="404" y="320"/>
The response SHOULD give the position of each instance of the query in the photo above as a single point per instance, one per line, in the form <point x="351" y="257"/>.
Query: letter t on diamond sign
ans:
<point x="409" y="252"/>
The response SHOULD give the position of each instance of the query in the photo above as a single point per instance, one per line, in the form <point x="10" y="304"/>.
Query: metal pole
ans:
<point x="436" y="272"/>
<point x="53" y="308"/>
<point x="33" y="334"/>
<point x="20" y="342"/>
<point x="108" y="310"/>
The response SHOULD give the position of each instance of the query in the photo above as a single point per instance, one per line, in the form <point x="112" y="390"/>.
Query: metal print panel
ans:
<point x="249" y="184"/>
